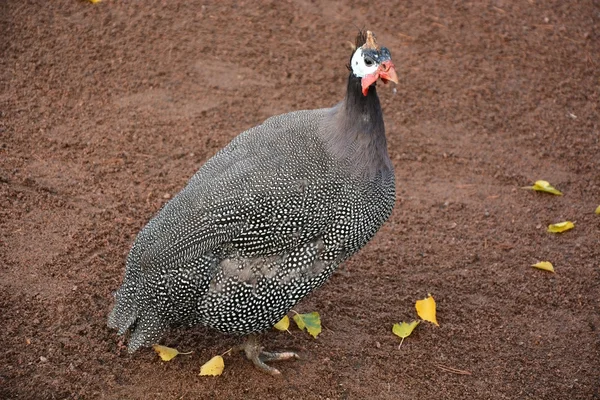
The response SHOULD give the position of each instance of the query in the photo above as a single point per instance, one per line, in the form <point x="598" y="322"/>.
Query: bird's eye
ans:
<point x="369" y="62"/>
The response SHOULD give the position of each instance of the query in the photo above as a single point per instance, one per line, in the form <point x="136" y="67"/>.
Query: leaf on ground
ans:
<point x="404" y="329"/>
<point x="283" y="325"/>
<point x="544" y="186"/>
<point x="545" y="265"/>
<point x="426" y="309"/>
<point x="213" y="367"/>
<point x="310" y="321"/>
<point x="94" y="1"/>
<point x="597" y="210"/>
<point x="166" y="353"/>
<point x="561" y="227"/>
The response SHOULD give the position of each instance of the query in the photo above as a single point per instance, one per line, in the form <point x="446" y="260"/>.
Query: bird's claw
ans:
<point x="254" y="352"/>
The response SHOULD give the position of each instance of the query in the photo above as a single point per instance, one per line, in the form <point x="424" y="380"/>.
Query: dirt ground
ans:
<point x="108" y="109"/>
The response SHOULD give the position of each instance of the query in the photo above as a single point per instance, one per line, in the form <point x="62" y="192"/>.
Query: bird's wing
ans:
<point x="259" y="195"/>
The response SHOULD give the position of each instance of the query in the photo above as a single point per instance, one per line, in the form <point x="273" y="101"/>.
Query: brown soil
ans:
<point x="108" y="109"/>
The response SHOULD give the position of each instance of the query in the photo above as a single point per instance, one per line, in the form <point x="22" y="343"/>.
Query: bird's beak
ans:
<point x="387" y="72"/>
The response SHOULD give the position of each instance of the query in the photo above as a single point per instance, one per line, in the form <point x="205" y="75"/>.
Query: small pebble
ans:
<point x="43" y="359"/>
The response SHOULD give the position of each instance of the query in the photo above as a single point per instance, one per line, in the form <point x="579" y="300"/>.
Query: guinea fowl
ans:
<point x="266" y="220"/>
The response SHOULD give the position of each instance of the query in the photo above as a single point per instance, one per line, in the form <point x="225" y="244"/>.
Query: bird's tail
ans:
<point x="145" y="324"/>
<point x="124" y="313"/>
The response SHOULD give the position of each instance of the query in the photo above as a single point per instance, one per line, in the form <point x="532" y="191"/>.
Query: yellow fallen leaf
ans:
<point x="310" y="321"/>
<point x="545" y="265"/>
<point x="426" y="309"/>
<point x="283" y="325"/>
<point x="597" y="210"/>
<point x="166" y="353"/>
<point x="213" y="367"/>
<point x="561" y="227"/>
<point x="94" y="1"/>
<point x="544" y="186"/>
<point x="404" y="330"/>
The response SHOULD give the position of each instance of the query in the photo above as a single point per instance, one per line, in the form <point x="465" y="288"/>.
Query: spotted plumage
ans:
<point x="264" y="222"/>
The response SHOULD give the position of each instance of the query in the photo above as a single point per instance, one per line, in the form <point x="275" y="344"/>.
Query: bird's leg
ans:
<point x="254" y="352"/>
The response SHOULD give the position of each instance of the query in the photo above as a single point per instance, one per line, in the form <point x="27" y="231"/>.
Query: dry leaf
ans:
<point x="213" y="367"/>
<point x="283" y="325"/>
<point x="426" y="309"/>
<point x="166" y="353"/>
<point x="597" y="210"/>
<point x="544" y="186"/>
<point x="94" y="1"/>
<point x="545" y="265"/>
<point x="404" y="330"/>
<point x="561" y="227"/>
<point x="310" y="321"/>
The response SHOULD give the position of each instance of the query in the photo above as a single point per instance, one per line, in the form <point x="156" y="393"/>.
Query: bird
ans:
<point x="266" y="220"/>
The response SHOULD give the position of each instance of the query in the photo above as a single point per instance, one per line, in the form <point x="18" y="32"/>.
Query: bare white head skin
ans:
<point x="362" y="64"/>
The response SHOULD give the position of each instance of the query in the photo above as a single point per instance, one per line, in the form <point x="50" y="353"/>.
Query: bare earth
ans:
<point x="108" y="109"/>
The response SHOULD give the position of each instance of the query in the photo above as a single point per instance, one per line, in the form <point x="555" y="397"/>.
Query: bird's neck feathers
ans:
<point x="355" y="130"/>
<point x="363" y="111"/>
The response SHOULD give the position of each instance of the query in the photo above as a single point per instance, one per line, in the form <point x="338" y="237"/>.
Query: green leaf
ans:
<point x="310" y="321"/>
<point x="404" y="329"/>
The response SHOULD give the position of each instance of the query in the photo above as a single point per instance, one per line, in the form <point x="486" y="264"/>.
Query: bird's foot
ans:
<point x="254" y="352"/>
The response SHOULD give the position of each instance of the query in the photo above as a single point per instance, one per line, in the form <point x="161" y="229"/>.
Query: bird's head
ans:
<point x="371" y="62"/>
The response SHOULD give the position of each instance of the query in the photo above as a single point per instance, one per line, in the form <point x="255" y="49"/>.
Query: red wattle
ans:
<point x="367" y="81"/>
